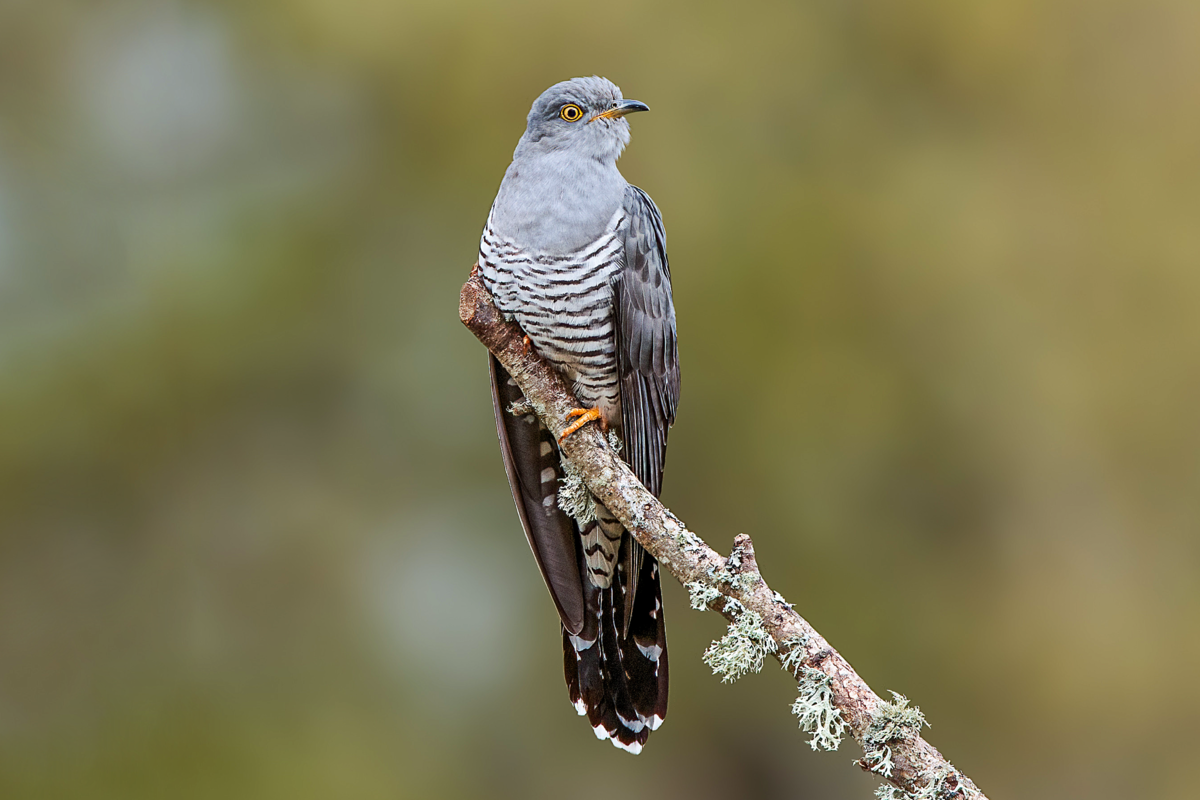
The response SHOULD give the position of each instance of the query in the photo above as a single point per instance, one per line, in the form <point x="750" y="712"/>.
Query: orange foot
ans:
<point x="585" y="415"/>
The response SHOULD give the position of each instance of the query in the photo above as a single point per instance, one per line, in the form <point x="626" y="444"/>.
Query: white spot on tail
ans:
<point x="633" y="725"/>
<point x="547" y="448"/>
<point x="632" y="747"/>
<point x="581" y="644"/>
<point x="549" y="500"/>
<point x="547" y="474"/>
<point x="580" y="707"/>
<point x="652" y="652"/>
<point x="655" y="721"/>
<point x="601" y="733"/>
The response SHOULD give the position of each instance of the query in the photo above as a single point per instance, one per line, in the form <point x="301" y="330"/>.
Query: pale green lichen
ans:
<point x="573" y="496"/>
<point x="520" y="408"/>
<point x="735" y="559"/>
<point x="816" y="712"/>
<point x="701" y="594"/>
<point x="736" y="581"/>
<point x="685" y="539"/>
<point x="879" y="761"/>
<point x="739" y="581"/>
<point x="893" y="721"/>
<point x="614" y="442"/>
<point x="746" y="643"/>
<point x="941" y="787"/>
<point x="734" y="606"/>
<point x="937" y="788"/>
<point x="690" y="542"/>
<point x="731" y="574"/>
<point x="742" y="649"/>
<point x="793" y="650"/>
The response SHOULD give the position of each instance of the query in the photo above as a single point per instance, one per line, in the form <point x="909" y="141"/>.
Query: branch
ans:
<point x="833" y="698"/>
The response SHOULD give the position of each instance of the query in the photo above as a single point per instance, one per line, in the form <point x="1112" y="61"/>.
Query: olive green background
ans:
<point x="937" y="272"/>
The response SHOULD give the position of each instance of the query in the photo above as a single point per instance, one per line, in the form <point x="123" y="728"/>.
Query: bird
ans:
<point x="577" y="256"/>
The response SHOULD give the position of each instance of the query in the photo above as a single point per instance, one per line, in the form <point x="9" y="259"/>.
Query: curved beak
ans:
<point x="620" y="108"/>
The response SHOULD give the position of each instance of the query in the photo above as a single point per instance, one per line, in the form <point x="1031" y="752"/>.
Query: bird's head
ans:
<point x="582" y="115"/>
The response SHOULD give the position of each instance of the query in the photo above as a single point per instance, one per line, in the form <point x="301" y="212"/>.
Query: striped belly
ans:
<point x="564" y="304"/>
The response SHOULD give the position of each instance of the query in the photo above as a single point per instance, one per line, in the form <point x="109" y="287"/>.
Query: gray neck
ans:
<point x="556" y="200"/>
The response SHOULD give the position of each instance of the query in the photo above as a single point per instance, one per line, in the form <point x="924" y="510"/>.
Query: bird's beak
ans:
<point x="620" y="109"/>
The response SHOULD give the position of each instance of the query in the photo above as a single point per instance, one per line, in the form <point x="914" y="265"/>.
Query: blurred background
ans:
<point x="936" y="272"/>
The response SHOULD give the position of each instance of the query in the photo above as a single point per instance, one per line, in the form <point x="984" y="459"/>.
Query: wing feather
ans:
<point x="551" y="533"/>
<point x="647" y="356"/>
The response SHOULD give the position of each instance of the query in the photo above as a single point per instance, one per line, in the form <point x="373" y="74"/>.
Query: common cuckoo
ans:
<point x="578" y="257"/>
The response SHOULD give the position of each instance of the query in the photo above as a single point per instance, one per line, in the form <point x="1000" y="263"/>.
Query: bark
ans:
<point x="917" y="768"/>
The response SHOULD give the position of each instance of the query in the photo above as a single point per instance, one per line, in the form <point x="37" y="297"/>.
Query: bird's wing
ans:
<point x="529" y="450"/>
<point x="647" y="356"/>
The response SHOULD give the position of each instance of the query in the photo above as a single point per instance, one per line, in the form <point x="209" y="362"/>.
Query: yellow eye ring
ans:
<point x="571" y="112"/>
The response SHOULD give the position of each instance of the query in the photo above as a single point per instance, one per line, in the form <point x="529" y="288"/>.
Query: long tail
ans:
<point x="619" y="680"/>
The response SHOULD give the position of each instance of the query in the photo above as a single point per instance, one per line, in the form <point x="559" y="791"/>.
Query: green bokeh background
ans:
<point x="937" y="272"/>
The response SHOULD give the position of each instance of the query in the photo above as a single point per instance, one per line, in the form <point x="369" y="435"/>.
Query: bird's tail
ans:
<point x="618" y="678"/>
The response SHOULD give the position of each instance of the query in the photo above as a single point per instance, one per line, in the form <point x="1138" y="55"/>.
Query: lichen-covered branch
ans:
<point x="833" y="699"/>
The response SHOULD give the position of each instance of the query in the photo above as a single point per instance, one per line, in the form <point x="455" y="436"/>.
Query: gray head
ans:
<point x="563" y="186"/>
<point x="582" y="115"/>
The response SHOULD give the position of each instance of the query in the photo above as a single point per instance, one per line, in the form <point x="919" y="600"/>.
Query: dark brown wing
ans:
<point x="529" y="450"/>
<point x="647" y="355"/>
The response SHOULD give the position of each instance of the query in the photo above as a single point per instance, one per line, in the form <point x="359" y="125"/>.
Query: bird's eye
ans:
<point x="571" y="112"/>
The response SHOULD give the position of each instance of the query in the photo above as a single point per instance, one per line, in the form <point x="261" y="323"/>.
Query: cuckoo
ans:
<point x="577" y="256"/>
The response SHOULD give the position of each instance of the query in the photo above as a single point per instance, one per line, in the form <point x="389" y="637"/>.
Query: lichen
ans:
<point x="879" y="761"/>
<point x="893" y="721"/>
<point x="937" y="788"/>
<point x="736" y="581"/>
<point x="739" y="581"/>
<point x="701" y="594"/>
<point x="573" y="496"/>
<point x="520" y="408"/>
<point x="731" y="573"/>
<point x="743" y="647"/>
<point x="690" y="542"/>
<point x="816" y="712"/>
<point x="734" y="607"/>
<point x="637" y="520"/>
<point x="793" y="650"/>
<point x="735" y="559"/>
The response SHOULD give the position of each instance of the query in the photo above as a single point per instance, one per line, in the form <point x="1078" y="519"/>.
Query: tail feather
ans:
<point x="620" y="681"/>
<point x="644" y="651"/>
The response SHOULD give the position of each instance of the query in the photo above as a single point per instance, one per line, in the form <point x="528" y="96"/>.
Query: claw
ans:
<point x="585" y="415"/>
